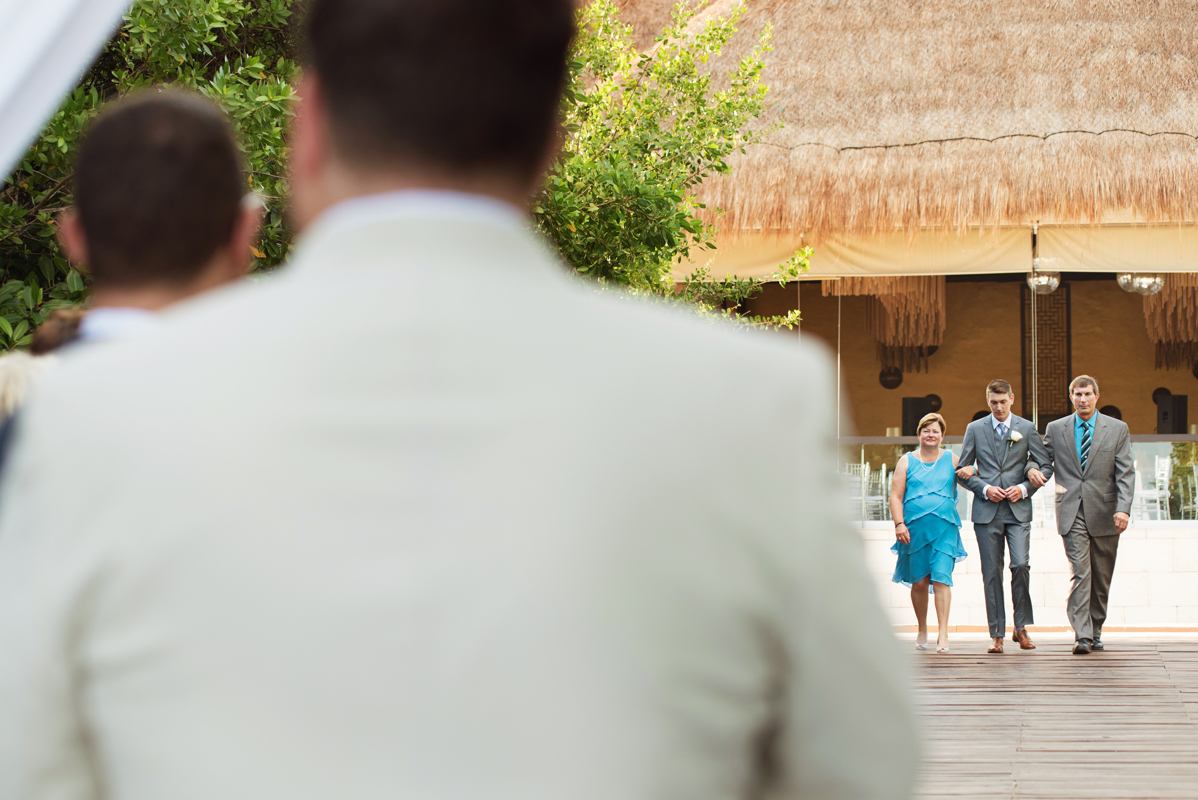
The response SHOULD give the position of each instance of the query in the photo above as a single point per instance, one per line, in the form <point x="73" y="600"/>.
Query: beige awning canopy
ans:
<point x="933" y="137"/>
<point x="1061" y="248"/>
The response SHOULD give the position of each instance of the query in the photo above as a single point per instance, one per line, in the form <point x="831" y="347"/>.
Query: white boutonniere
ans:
<point x="1015" y="436"/>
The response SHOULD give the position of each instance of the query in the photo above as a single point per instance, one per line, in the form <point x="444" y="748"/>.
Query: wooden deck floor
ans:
<point x="1048" y="724"/>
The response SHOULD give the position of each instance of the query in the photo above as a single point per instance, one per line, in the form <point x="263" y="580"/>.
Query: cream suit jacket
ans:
<point x="425" y="517"/>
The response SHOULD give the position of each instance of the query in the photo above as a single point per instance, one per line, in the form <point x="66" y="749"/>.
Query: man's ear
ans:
<point x="308" y="162"/>
<point x="71" y="237"/>
<point x="245" y="236"/>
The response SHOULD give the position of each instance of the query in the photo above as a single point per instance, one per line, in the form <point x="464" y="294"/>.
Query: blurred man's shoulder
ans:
<point x="693" y="340"/>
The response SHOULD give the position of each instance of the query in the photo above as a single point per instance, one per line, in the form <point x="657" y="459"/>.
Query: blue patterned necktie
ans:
<point x="1001" y="431"/>
<point x="1085" y="451"/>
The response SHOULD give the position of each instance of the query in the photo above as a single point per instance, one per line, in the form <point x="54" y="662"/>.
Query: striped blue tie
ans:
<point x="1085" y="451"/>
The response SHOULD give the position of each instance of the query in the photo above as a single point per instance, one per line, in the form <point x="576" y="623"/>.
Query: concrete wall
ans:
<point x="982" y="342"/>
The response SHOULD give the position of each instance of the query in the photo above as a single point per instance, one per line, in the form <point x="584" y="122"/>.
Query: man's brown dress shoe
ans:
<point x="1025" y="641"/>
<point x="996" y="645"/>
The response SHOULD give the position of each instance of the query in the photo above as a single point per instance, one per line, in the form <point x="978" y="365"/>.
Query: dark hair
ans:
<point x="60" y="328"/>
<point x="1083" y="380"/>
<point x="998" y="386"/>
<point x="466" y="86"/>
<point x="158" y="186"/>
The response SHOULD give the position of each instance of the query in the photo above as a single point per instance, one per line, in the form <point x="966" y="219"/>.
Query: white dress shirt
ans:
<point x="109" y="323"/>
<point x="424" y="516"/>
<point x="994" y="423"/>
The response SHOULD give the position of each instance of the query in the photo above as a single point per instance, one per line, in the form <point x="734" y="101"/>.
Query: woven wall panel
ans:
<point x="1054" y="344"/>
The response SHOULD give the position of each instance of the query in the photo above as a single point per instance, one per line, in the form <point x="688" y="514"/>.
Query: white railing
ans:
<point x="1166" y="479"/>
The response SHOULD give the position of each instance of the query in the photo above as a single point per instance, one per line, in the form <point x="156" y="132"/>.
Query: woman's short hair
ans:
<point x="927" y="420"/>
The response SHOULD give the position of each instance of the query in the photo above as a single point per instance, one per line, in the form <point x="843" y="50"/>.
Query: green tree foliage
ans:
<point x="234" y="51"/>
<point x="642" y="132"/>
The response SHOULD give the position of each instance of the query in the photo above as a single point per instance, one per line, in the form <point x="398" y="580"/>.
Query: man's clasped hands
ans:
<point x="994" y="494"/>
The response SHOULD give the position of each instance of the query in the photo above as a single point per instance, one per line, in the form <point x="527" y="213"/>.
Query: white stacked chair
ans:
<point x="1164" y="476"/>
<point x="1149" y="501"/>
<point x="1044" y="505"/>
<point x="858" y="481"/>
<point x="877" y="495"/>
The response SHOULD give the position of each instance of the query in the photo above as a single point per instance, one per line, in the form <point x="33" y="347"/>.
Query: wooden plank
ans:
<point x="1047" y="724"/>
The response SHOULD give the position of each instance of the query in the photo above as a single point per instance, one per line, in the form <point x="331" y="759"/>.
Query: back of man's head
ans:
<point x="159" y="183"/>
<point x="457" y="86"/>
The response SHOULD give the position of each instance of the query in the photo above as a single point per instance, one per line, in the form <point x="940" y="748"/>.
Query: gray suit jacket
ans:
<point x="1107" y="485"/>
<point x="1002" y="465"/>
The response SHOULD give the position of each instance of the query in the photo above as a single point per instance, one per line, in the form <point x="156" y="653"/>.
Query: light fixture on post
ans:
<point x="1144" y="283"/>
<point x="1039" y="283"/>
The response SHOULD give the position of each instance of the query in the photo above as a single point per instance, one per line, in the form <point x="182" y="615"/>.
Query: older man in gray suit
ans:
<point x="1091" y="455"/>
<point x="1002" y="446"/>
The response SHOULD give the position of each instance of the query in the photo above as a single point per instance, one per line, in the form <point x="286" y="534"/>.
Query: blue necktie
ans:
<point x="1001" y="430"/>
<point x="1085" y="451"/>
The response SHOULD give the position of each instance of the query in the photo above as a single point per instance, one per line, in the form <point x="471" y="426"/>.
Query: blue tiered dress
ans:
<point x="930" y="512"/>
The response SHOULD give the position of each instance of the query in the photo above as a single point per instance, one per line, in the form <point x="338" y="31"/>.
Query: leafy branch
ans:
<point x="643" y="131"/>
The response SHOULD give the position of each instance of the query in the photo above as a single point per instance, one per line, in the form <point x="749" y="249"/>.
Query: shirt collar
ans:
<point x="108" y="322"/>
<point x="418" y="204"/>
<point x="1086" y="423"/>
<point x="994" y="423"/>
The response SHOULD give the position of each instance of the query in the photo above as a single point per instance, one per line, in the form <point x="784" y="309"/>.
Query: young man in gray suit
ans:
<point x="1003" y="446"/>
<point x="1091" y="456"/>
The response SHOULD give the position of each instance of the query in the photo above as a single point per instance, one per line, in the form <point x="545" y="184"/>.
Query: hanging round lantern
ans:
<point x="1044" y="282"/>
<point x="1144" y="283"/>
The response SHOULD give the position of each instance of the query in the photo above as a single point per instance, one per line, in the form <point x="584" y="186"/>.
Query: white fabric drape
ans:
<point x="898" y="253"/>
<point x="1119" y="248"/>
<point x="44" y="47"/>
<point x="1062" y="248"/>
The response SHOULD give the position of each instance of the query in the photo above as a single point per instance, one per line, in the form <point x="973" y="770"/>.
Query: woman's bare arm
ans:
<point x="898" y="488"/>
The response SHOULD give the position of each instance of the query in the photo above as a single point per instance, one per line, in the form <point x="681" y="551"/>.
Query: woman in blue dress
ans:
<point x="923" y="504"/>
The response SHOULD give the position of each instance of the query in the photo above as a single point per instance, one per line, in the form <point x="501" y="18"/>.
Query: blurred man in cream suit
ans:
<point x="424" y="517"/>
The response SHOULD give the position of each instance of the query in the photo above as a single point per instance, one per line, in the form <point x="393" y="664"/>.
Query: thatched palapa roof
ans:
<point x="964" y="114"/>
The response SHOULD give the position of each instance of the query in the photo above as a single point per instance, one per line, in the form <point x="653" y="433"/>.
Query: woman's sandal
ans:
<point x="921" y="645"/>
<point x="942" y="649"/>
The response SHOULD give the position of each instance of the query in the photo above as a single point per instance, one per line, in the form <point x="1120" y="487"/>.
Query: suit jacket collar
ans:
<point x="988" y="427"/>
<point x="424" y="232"/>
<point x="1071" y="440"/>
<point x="1000" y="450"/>
<point x="420" y="205"/>
<point x="1100" y="429"/>
<point x="1101" y="424"/>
